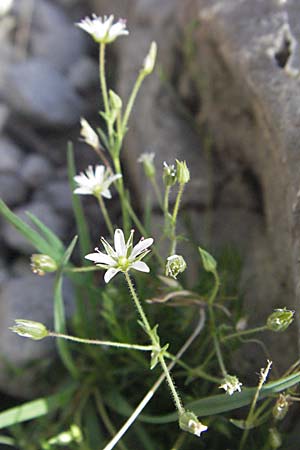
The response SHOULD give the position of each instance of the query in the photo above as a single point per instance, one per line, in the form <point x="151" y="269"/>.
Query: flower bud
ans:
<point x="89" y="136"/>
<point x="188" y="421"/>
<point x="280" y="319"/>
<point x="281" y="407"/>
<point x="40" y="264"/>
<point x="30" y="329"/>
<point x="231" y="384"/>
<point x="115" y="101"/>
<point x="169" y="175"/>
<point x="175" y="265"/>
<point x="147" y="160"/>
<point x="149" y="61"/>
<point x="208" y="261"/>
<point x="183" y="173"/>
<point x="274" y="438"/>
<point x="67" y="437"/>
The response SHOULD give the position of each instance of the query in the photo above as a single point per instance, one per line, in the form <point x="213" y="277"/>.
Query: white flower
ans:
<point x="89" y="136"/>
<point x="149" y="61"/>
<point x="197" y="427"/>
<point x="123" y="257"/>
<point x="103" y="30"/>
<point x="5" y="6"/>
<point x="95" y="182"/>
<point x="146" y="157"/>
<point x="231" y="384"/>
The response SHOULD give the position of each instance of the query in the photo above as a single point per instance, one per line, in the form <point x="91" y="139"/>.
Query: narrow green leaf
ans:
<point x="82" y="228"/>
<point x="29" y="233"/>
<point x="5" y="440"/>
<point x="50" y="237"/>
<point x="36" y="408"/>
<point x="59" y="313"/>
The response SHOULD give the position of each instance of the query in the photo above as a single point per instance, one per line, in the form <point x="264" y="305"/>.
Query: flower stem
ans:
<point x="245" y="332"/>
<point x="212" y="321"/>
<point x="131" y="101"/>
<point x="122" y="195"/>
<point x="105" y="215"/>
<point x="102" y="77"/>
<point x="174" y="220"/>
<point x="156" y="344"/>
<point x="143" y="348"/>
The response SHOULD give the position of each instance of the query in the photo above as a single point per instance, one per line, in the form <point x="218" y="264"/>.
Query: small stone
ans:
<point x="45" y="213"/>
<point x="36" y="170"/>
<point x="12" y="189"/>
<point x="58" y="194"/>
<point x="37" y="91"/>
<point x="10" y="156"/>
<point x="83" y="75"/>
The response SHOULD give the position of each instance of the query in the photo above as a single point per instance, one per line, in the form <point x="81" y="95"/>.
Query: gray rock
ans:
<point x="13" y="190"/>
<point x="4" y="113"/>
<point x="27" y="297"/>
<point x="44" y="212"/>
<point x="36" y="170"/>
<point x="11" y="156"/>
<point x="37" y="91"/>
<point x="47" y="15"/>
<point x="59" y="196"/>
<point x="83" y="75"/>
<point x="61" y="47"/>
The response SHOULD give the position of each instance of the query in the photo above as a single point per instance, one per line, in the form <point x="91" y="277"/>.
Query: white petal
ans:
<point x="83" y="191"/>
<point x="119" y="242"/>
<point x="140" y="265"/>
<point x="100" y="258"/>
<point x="140" y="247"/>
<point x="106" y="193"/>
<point x="110" y="274"/>
<point x="99" y="173"/>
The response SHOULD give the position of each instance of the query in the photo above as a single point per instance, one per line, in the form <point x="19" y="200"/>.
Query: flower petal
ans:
<point x="140" y="247"/>
<point x="99" y="173"/>
<point x="106" y="193"/>
<point x="110" y="274"/>
<point x="83" y="191"/>
<point x="100" y="258"/>
<point x="119" y="242"/>
<point x="141" y="266"/>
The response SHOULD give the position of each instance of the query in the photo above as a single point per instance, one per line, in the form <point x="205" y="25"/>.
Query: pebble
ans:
<point x="11" y="156"/>
<point x="83" y="75"/>
<point x="12" y="189"/>
<point x="36" y="170"/>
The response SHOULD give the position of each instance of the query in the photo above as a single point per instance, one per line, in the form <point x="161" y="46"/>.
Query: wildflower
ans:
<point x="183" y="173"/>
<point x="95" y="182"/>
<point x="103" y="30"/>
<point x="169" y="174"/>
<point x="123" y="257"/>
<point x="40" y="264"/>
<point x="231" y="384"/>
<point x="188" y="421"/>
<point x="29" y="328"/>
<point x="175" y="265"/>
<point x="89" y="136"/>
<point x="5" y="6"/>
<point x="280" y="319"/>
<point x="147" y="160"/>
<point x="149" y="61"/>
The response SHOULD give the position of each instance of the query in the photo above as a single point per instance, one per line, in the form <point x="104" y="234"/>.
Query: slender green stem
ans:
<point x="131" y="101"/>
<point x="105" y="215"/>
<point x="157" y="191"/>
<point x="244" y="333"/>
<point x="103" y="77"/>
<point x="166" y="200"/>
<point x="143" y="348"/>
<point x="155" y="343"/>
<point x="82" y="269"/>
<point x="212" y="322"/>
<point x="174" y="219"/>
<point x="122" y="195"/>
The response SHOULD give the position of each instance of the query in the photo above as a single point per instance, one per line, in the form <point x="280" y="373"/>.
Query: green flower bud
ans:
<point x="188" y="421"/>
<point x="67" y="437"/>
<point x="150" y="59"/>
<point x="147" y="160"/>
<point x="115" y="101"/>
<point x="280" y="319"/>
<point x="208" y="261"/>
<point x="274" y="438"/>
<point x="175" y="265"/>
<point x="169" y="175"/>
<point x="183" y="173"/>
<point x="30" y="329"/>
<point x="40" y="264"/>
<point x="281" y="407"/>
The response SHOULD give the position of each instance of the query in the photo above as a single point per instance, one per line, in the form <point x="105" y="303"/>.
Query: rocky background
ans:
<point x="225" y="97"/>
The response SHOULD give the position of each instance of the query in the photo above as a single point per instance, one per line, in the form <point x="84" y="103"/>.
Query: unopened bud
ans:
<point x="274" y="438"/>
<point x="147" y="160"/>
<point x="281" y="407"/>
<point x="41" y="264"/>
<point x="29" y="328"/>
<point x="149" y="61"/>
<point x="175" y="265"/>
<point x="67" y="437"/>
<point x="115" y="100"/>
<point x="88" y="134"/>
<point x="169" y="175"/>
<point x="280" y="319"/>
<point x="208" y="261"/>
<point x="183" y="173"/>
<point x="188" y="421"/>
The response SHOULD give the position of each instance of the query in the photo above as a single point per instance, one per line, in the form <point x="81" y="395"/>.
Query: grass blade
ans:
<point x="50" y="237"/>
